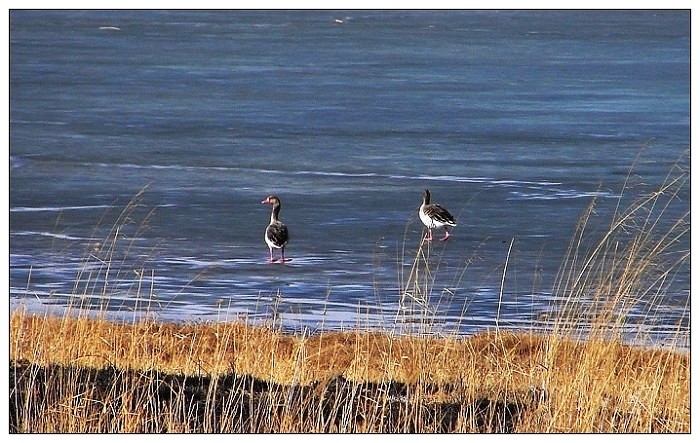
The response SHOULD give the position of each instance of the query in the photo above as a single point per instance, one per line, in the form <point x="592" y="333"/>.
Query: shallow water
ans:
<point x="514" y="120"/>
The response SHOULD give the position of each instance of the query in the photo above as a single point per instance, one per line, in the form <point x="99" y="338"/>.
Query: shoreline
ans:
<point x="670" y="338"/>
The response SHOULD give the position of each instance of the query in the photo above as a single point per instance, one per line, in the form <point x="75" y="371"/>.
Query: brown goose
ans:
<point x="435" y="216"/>
<point x="276" y="234"/>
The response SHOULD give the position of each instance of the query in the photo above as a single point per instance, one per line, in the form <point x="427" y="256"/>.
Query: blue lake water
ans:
<point x="515" y="120"/>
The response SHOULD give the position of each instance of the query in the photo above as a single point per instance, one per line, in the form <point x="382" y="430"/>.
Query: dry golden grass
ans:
<point x="559" y="384"/>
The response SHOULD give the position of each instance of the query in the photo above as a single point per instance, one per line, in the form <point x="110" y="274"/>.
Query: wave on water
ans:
<point x="305" y="172"/>
<point x="454" y="178"/>
<point x="65" y="236"/>
<point x="70" y="208"/>
<point x="56" y="208"/>
<point x="559" y="194"/>
<point x="38" y="122"/>
<point x="526" y="189"/>
<point x="271" y="25"/>
<point x="49" y="234"/>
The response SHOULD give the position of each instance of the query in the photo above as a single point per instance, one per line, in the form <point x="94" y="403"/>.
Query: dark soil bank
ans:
<point x="105" y="398"/>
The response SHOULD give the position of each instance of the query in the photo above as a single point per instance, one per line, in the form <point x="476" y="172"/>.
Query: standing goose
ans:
<point x="276" y="234"/>
<point x="435" y="216"/>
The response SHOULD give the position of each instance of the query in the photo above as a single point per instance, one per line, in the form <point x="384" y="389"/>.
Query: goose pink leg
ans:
<point x="447" y="235"/>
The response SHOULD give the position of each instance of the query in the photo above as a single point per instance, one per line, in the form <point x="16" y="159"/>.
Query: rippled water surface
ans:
<point x="142" y="143"/>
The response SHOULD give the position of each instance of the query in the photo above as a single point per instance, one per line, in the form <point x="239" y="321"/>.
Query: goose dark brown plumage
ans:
<point x="276" y="233"/>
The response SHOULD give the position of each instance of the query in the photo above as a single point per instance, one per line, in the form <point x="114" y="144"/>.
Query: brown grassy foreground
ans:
<point x="82" y="375"/>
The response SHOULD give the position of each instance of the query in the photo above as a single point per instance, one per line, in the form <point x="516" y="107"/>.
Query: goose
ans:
<point x="276" y="234"/>
<point x="435" y="216"/>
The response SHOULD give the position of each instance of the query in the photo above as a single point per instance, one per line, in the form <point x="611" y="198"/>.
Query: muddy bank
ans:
<point x="155" y="402"/>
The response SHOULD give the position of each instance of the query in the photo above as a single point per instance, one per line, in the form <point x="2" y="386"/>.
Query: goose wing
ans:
<point x="277" y="234"/>
<point x="440" y="214"/>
